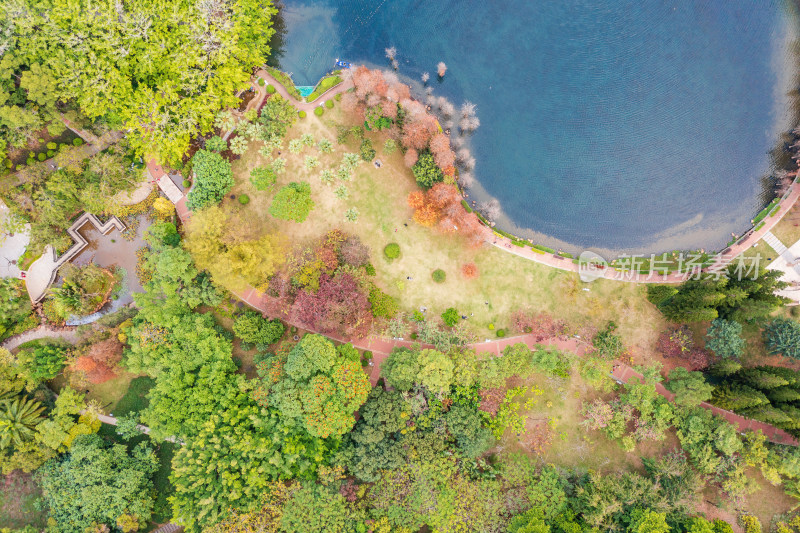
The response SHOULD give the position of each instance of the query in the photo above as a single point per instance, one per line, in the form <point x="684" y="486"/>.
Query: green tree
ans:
<point x="464" y="424"/>
<point x="252" y="328"/>
<point x="690" y="388"/>
<point x="317" y="509"/>
<point x="782" y="336"/>
<point x="724" y="338"/>
<point x="320" y="389"/>
<point x="97" y="483"/>
<point x="292" y="202"/>
<point x="213" y="180"/>
<point x="41" y="363"/>
<point x="216" y="144"/>
<point x="530" y="521"/>
<point x="277" y="116"/>
<point x="450" y="317"/>
<point x="425" y="170"/>
<point x="262" y="178"/>
<point x="737" y="396"/>
<point x="18" y="420"/>
<point x="401" y="368"/>
<point x="648" y="521"/>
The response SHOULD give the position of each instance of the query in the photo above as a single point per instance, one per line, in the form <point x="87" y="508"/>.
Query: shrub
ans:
<point x="41" y="157"/>
<point x="724" y="338"/>
<point x="301" y="114"/>
<point x="319" y="111"/>
<point x="439" y="275"/>
<point x="50" y="153"/>
<point x="252" y="328"/>
<point x="262" y="178"/>
<point x="783" y="336"/>
<point x="382" y="304"/>
<point x="366" y="150"/>
<point x="261" y="82"/>
<point x="501" y="332"/>
<point x="52" y="146"/>
<point x="369" y="269"/>
<point x="187" y="184"/>
<point x="216" y="144"/>
<point x="450" y="317"/>
<point x="270" y="89"/>
<point x="469" y="270"/>
<point x="329" y="104"/>
<point x="292" y="202"/>
<point x="244" y="199"/>
<point x="389" y="146"/>
<point x="77" y="141"/>
<point x="392" y="251"/>
<point x="425" y="170"/>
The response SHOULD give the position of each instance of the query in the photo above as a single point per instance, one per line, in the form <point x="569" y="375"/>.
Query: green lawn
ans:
<point x="505" y="283"/>
<point x="135" y="398"/>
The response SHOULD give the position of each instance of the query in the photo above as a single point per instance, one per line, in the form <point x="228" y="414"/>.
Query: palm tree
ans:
<point x="18" y="420"/>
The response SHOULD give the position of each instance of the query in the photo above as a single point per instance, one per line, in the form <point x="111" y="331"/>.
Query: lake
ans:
<point x="637" y="126"/>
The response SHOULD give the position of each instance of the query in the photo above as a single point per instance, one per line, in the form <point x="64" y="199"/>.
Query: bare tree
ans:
<point x="441" y="69"/>
<point x="391" y="53"/>
<point x="469" y="124"/>
<point x="445" y="107"/>
<point x="395" y="64"/>
<point x="490" y="209"/>
<point x="425" y="77"/>
<point x="466" y="179"/>
<point x="468" y="109"/>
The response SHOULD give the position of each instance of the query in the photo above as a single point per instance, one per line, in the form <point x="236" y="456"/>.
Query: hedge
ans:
<point x="544" y="248"/>
<point x="467" y="208"/>
<point x="324" y="84"/>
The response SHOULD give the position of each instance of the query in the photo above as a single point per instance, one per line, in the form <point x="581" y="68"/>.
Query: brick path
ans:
<point x="625" y="373"/>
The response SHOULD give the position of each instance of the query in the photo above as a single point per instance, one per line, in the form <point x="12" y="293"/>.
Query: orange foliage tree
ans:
<point x="441" y="206"/>
<point x="469" y="270"/>
<point x="100" y="361"/>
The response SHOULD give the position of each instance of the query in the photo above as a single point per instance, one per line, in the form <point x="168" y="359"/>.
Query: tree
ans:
<point x="292" y="202"/>
<point x="782" y="336"/>
<point x="339" y="306"/>
<point x="320" y="389"/>
<point x="690" y="388"/>
<point x="262" y="178"/>
<point x="136" y="62"/>
<point x="213" y="180"/>
<point x="277" y="116"/>
<point x="97" y="484"/>
<point x="735" y="397"/>
<point x="425" y="170"/>
<point x="465" y="425"/>
<point x="18" y="420"/>
<point x="42" y="362"/>
<point x="724" y="338"/>
<point x="648" y="521"/>
<point x="530" y="521"/>
<point x="428" y="368"/>
<point x="100" y="361"/>
<point x="450" y="317"/>
<point x="216" y="144"/>
<point x="401" y="368"/>
<point x="252" y="328"/>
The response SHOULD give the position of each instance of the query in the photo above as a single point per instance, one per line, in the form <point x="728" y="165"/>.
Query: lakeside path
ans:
<point x="723" y="258"/>
<point x="308" y="107"/>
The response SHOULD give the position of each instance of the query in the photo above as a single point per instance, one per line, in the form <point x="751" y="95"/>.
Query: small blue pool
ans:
<point x="305" y="90"/>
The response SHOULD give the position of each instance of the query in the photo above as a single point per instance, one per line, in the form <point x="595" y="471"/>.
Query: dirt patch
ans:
<point x="18" y="496"/>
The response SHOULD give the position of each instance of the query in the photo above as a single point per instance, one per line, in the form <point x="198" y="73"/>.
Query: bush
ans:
<point x="319" y="111"/>
<point x="369" y="269"/>
<point x="187" y="184"/>
<point x="439" y="275"/>
<point x="389" y="146"/>
<point x="501" y="333"/>
<point x="366" y="150"/>
<point x="450" y="317"/>
<point x="41" y="157"/>
<point x="783" y="336"/>
<point x="392" y="251"/>
<point x="329" y="104"/>
<point x="270" y="89"/>
<point x="52" y="146"/>
<point x="301" y="114"/>
<point x="244" y="199"/>
<point x="77" y="141"/>
<point x="724" y="338"/>
<point x="50" y="153"/>
<point x="426" y="172"/>
<point x="292" y="202"/>
<point x="252" y="328"/>
<point x="216" y="144"/>
<point x="262" y="178"/>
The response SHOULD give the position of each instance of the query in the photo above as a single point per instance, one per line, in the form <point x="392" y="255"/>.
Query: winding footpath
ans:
<point x="381" y="347"/>
<point x="42" y="332"/>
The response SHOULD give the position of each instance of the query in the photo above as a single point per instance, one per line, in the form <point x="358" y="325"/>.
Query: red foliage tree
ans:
<point x="442" y="205"/>
<point x="443" y="156"/>
<point x="338" y="307"/>
<point x="100" y="361"/>
<point x="541" y="325"/>
<point x="469" y="270"/>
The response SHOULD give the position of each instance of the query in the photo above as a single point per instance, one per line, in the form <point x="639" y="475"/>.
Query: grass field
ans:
<point x="506" y="282"/>
<point x="18" y="496"/>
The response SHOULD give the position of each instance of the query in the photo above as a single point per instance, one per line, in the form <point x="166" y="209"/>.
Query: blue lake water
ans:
<point x="639" y="125"/>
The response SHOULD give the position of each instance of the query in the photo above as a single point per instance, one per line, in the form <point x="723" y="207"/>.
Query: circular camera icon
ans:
<point x="591" y="266"/>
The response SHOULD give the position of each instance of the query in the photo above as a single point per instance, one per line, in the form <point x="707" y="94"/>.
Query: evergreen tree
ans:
<point x="737" y="396"/>
<point x="724" y="338"/>
<point x="761" y="379"/>
<point x="783" y="395"/>
<point x="725" y="367"/>
<point x="768" y="414"/>
<point x="783" y="336"/>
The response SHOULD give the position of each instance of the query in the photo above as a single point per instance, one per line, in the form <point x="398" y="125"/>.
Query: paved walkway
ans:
<point x="624" y="373"/>
<point x="308" y="107"/>
<point x="723" y="258"/>
<point x="42" y="332"/>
